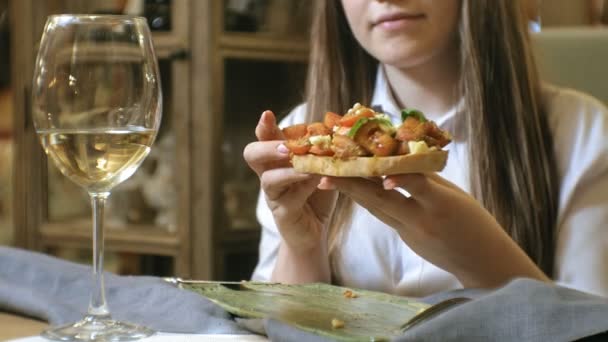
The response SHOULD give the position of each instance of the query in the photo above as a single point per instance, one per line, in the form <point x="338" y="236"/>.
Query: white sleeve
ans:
<point x="271" y="238"/>
<point x="580" y="127"/>
<point x="582" y="245"/>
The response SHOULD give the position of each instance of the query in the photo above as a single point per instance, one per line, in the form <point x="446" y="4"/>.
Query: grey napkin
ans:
<point x="523" y="310"/>
<point x="57" y="291"/>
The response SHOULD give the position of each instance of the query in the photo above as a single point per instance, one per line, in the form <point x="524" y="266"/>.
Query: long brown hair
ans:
<point x="512" y="166"/>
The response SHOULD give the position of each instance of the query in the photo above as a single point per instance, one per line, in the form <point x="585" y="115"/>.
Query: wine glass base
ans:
<point x="97" y="329"/>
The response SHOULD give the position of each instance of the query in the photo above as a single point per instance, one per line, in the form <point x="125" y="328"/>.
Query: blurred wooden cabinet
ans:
<point x="192" y="203"/>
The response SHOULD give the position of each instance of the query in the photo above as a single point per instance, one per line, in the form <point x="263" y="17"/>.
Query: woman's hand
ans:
<point x="301" y="212"/>
<point x="442" y="224"/>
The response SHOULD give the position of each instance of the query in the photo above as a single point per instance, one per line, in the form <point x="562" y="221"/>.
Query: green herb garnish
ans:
<point x="406" y="113"/>
<point x="353" y="130"/>
<point x="386" y="125"/>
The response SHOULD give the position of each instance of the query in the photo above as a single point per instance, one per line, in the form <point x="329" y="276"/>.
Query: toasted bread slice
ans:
<point x="432" y="161"/>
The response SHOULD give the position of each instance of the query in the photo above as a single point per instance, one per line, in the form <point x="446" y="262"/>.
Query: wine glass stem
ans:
<point x="98" y="306"/>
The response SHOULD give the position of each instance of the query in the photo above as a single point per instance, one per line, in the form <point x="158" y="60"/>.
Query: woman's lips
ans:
<point x="397" y="21"/>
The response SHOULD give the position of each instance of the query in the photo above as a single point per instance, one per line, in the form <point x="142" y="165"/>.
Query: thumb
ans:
<point x="267" y="128"/>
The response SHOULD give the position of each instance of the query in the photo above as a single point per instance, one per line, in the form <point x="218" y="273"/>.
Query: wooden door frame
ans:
<point x="205" y="96"/>
<point x="28" y="186"/>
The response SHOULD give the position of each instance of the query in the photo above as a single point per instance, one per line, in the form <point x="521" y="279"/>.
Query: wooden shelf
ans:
<point x="167" y="45"/>
<point x="263" y="46"/>
<point x="237" y="236"/>
<point x="136" y="239"/>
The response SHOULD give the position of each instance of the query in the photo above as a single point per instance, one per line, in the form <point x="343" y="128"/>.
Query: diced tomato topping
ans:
<point x="414" y="130"/>
<point x="317" y="128"/>
<point x="368" y="137"/>
<point x="345" y="147"/>
<point x="298" y="146"/>
<point x="349" y="119"/>
<point x="374" y="140"/>
<point x="331" y="119"/>
<point x="321" y="150"/>
<point x="439" y="138"/>
<point x="295" y="131"/>
<point x="411" y="130"/>
<point x="383" y="145"/>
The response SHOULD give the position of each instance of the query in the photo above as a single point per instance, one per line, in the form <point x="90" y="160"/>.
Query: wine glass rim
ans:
<point x="94" y="17"/>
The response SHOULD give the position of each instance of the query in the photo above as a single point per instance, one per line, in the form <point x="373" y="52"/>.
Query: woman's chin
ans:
<point x="403" y="58"/>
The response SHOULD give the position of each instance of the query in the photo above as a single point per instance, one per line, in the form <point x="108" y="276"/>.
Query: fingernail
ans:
<point x="266" y="115"/>
<point x="388" y="184"/>
<point x="325" y="184"/>
<point x="281" y="148"/>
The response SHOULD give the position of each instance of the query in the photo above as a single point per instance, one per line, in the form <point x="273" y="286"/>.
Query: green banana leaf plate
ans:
<point x="322" y="309"/>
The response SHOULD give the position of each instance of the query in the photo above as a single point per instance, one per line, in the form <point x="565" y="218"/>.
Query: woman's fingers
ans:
<point x="267" y="128"/>
<point x="276" y="182"/>
<point x="268" y="152"/>
<point x="442" y="181"/>
<point x="397" y="181"/>
<point x="426" y="189"/>
<point x="390" y="206"/>
<point x="323" y="203"/>
<point x="264" y="155"/>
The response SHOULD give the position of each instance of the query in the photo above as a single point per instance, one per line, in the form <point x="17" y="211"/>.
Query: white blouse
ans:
<point x="372" y="255"/>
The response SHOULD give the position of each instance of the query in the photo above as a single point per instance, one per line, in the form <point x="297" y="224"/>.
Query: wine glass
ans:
<point x="96" y="108"/>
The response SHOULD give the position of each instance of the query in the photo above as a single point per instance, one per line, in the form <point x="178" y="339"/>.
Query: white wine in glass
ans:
<point x="97" y="159"/>
<point x="97" y="108"/>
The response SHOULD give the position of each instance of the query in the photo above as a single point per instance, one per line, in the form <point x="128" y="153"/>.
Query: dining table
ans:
<point x="38" y="290"/>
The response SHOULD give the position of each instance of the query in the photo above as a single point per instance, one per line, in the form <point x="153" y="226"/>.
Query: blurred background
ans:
<point x="190" y="209"/>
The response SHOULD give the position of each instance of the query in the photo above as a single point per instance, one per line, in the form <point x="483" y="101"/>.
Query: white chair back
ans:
<point x="575" y="58"/>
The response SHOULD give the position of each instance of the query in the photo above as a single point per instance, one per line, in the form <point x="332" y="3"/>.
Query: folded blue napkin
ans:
<point x="57" y="291"/>
<point x="523" y="310"/>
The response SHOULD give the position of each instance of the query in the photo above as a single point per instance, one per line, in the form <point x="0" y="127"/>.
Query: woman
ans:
<point x="522" y="194"/>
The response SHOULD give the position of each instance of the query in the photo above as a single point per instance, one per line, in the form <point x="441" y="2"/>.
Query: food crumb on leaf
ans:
<point x="337" y="324"/>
